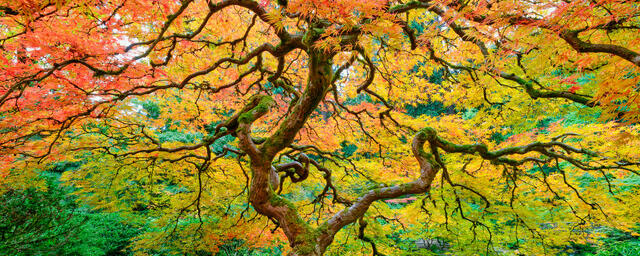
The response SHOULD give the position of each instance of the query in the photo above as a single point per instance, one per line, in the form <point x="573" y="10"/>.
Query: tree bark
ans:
<point x="302" y="237"/>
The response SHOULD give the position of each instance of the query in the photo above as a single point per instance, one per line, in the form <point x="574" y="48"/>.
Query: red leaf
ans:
<point x="574" y="88"/>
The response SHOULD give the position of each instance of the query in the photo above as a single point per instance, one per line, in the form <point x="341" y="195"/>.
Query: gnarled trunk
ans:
<point x="304" y="239"/>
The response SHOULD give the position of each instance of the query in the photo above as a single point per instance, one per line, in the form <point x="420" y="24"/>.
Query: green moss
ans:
<point x="429" y="132"/>
<point x="405" y="187"/>
<point x="482" y="148"/>
<point x="264" y="103"/>
<point x="323" y="228"/>
<point x="277" y="200"/>
<point x="402" y="6"/>
<point x="246" y="117"/>
<point x="275" y="140"/>
<point x="307" y="240"/>
<point x="305" y="249"/>
<point x="430" y="158"/>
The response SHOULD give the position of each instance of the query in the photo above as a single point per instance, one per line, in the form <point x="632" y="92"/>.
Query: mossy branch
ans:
<point x="547" y="149"/>
<point x="428" y="170"/>
<point x="260" y="105"/>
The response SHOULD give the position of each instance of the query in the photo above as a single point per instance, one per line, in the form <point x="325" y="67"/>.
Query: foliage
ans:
<point x="618" y="243"/>
<point x="504" y="127"/>
<point x="48" y="222"/>
<point x="620" y="248"/>
<point x="235" y="247"/>
<point x="30" y="216"/>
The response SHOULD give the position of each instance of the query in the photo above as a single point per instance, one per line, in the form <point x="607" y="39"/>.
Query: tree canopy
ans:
<point x="496" y="126"/>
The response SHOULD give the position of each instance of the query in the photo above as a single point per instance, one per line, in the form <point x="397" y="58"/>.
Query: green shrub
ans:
<point x="48" y="222"/>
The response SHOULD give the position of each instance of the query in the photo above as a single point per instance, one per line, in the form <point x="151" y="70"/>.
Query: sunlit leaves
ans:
<point x="143" y="95"/>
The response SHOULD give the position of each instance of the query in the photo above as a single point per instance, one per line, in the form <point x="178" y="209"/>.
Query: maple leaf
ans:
<point x="574" y="89"/>
<point x="216" y="119"/>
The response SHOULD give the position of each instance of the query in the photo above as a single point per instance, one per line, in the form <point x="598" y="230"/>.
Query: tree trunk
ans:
<point x="302" y="237"/>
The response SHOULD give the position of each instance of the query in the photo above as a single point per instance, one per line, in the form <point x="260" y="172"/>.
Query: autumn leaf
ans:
<point x="330" y="127"/>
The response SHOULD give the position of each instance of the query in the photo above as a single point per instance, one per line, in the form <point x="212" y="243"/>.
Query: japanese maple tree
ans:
<point x="219" y="119"/>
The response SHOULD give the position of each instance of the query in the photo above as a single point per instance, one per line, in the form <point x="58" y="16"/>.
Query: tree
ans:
<point x="46" y="221"/>
<point x="167" y="104"/>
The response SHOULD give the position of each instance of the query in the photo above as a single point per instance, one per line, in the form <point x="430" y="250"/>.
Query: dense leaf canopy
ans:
<point x="495" y="126"/>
